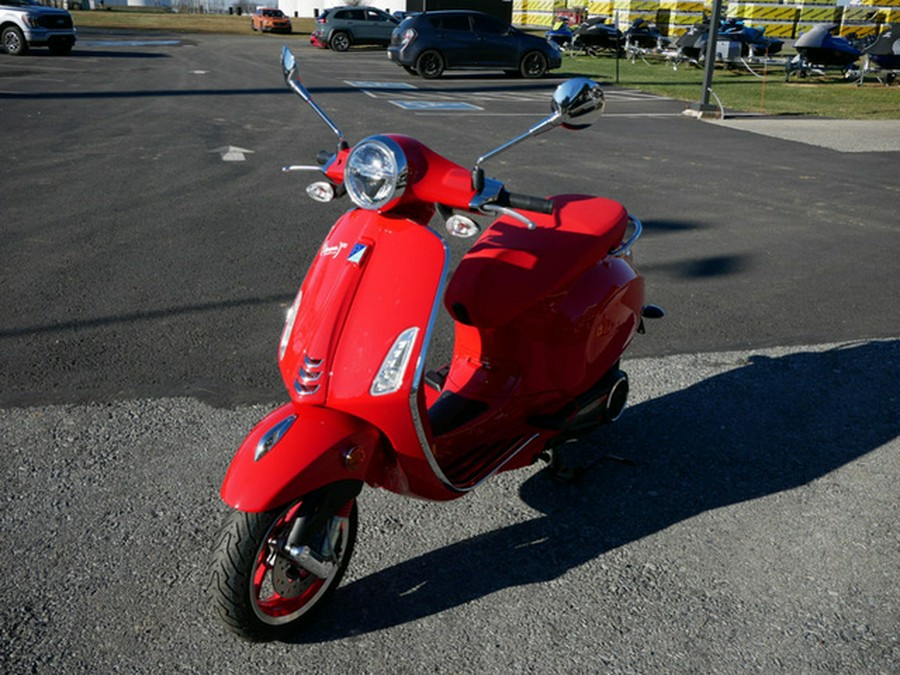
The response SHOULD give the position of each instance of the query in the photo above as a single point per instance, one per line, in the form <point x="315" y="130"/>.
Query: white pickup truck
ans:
<point x="26" y="23"/>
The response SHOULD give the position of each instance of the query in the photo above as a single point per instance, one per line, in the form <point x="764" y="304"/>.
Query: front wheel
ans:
<point x="258" y="589"/>
<point x="14" y="41"/>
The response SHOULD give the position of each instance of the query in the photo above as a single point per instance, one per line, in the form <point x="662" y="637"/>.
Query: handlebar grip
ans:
<point x="528" y="203"/>
<point x="323" y="157"/>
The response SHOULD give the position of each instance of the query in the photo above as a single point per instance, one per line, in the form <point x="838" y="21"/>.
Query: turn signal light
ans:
<point x="354" y="458"/>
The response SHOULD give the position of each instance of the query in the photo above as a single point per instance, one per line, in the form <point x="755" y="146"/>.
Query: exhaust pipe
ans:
<point x="616" y="397"/>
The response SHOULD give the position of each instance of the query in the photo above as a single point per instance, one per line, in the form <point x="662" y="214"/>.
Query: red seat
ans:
<point x="511" y="268"/>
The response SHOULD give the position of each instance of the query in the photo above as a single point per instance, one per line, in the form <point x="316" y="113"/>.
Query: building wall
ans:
<point x="310" y="8"/>
<point x="499" y="8"/>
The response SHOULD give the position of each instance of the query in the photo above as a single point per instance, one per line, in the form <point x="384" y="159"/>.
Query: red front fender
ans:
<point x="283" y="458"/>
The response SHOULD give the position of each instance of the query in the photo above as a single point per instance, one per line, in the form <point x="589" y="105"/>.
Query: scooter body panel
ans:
<point x="374" y="278"/>
<point x="297" y="449"/>
<point x="542" y="317"/>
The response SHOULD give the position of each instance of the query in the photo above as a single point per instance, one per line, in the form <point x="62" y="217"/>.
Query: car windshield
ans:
<point x="272" y="12"/>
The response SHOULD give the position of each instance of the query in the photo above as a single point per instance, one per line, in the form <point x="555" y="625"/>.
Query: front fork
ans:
<point x="314" y="535"/>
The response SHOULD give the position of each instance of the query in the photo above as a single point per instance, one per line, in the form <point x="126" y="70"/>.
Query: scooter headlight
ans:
<point x="376" y="173"/>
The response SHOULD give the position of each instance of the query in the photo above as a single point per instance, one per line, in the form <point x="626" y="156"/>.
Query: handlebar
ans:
<point x="525" y="202"/>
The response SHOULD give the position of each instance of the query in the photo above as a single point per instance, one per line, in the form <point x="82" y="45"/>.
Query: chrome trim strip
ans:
<point x="420" y="367"/>
<point x="270" y="439"/>
<point x="624" y="248"/>
<point x="417" y="382"/>
<point x="305" y="384"/>
<point x="515" y="452"/>
<point x="305" y="390"/>
<point x="308" y="378"/>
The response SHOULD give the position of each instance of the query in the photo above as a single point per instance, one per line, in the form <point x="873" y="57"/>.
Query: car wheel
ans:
<point x="534" y="64"/>
<point x="430" y="64"/>
<point x="339" y="42"/>
<point x="13" y="41"/>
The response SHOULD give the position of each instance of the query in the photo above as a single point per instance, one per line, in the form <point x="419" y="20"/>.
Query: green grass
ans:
<point x="739" y="90"/>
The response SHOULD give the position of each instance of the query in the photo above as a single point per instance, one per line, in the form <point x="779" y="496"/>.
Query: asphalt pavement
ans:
<point x="740" y="517"/>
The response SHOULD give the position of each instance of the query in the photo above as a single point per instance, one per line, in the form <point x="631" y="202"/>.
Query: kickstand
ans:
<point x="563" y="465"/>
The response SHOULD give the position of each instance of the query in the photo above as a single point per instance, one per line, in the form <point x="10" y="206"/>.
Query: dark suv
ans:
<point x="427" y="44"/>
<point x="341" y="27"/>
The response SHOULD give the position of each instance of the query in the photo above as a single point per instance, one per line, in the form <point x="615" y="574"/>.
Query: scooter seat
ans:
<point x="511" y="268"/>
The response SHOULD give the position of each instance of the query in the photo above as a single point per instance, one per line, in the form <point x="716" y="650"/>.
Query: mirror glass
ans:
<point x="288" y="62"/>
<point x="291" y="76"/>
<point x="578" y="102"/>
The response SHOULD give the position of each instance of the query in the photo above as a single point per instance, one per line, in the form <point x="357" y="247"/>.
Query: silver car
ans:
<point x="341" y="27"/>
<point x="26" y="23"/>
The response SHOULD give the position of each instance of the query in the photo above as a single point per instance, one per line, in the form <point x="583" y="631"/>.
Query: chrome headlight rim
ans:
<point x="358" y="168"/>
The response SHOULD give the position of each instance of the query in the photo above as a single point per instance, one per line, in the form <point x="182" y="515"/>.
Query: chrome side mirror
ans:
<point x="577" y="99"/>
<point x="288" y="63"/>
<point x="292" y="77"/>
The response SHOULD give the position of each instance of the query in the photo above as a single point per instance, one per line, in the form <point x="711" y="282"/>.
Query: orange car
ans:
<point x="270" y="20"/>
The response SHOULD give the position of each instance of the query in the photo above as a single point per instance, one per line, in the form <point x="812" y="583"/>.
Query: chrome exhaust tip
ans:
<point x="617" y="398"/>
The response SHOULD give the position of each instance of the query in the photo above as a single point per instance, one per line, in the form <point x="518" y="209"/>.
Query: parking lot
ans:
<point x="741" y="516"/>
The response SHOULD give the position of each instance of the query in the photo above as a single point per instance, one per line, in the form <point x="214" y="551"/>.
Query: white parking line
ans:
<point x="380" y="85"/>
<point x="434" y="101"/>
<point x="436" y="105"/>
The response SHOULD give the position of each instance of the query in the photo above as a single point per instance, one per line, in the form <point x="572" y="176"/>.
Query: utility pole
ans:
<point x="704" y="105"/>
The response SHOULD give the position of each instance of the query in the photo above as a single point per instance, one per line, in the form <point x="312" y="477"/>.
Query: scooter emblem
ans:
<point x="357" y="254"/>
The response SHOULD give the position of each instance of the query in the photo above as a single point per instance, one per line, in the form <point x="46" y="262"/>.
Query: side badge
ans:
<point x="357" y="254"/>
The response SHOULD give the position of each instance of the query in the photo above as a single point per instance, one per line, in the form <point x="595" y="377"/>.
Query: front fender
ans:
<point x="295" y="450"/>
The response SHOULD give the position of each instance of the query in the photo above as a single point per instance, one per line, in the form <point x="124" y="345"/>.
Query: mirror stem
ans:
<point x="546" y="124"/>
<point x="301" y="91"/>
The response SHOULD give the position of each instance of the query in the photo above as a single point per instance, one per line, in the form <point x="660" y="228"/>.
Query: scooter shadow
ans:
<point x="768" y="425"/>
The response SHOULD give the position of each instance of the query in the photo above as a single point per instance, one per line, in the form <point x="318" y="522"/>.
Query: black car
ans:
<point x="428" y="44"/>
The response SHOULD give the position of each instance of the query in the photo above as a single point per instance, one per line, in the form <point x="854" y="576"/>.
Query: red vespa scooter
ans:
<point x="543" y="305"/>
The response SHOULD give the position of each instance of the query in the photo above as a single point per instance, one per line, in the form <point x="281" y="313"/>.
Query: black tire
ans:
<point x="533" y="65"/>
<point x="339" y="41"/>
<point x="430" y="64"/>
<point x="246" y="565"/>
<point x="13" y="41"/>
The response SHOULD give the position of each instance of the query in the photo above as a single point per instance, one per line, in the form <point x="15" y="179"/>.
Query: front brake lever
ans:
<point x="489" y="208"/>
<point x="302" y="167"/>
<point x="485" y="200"/>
